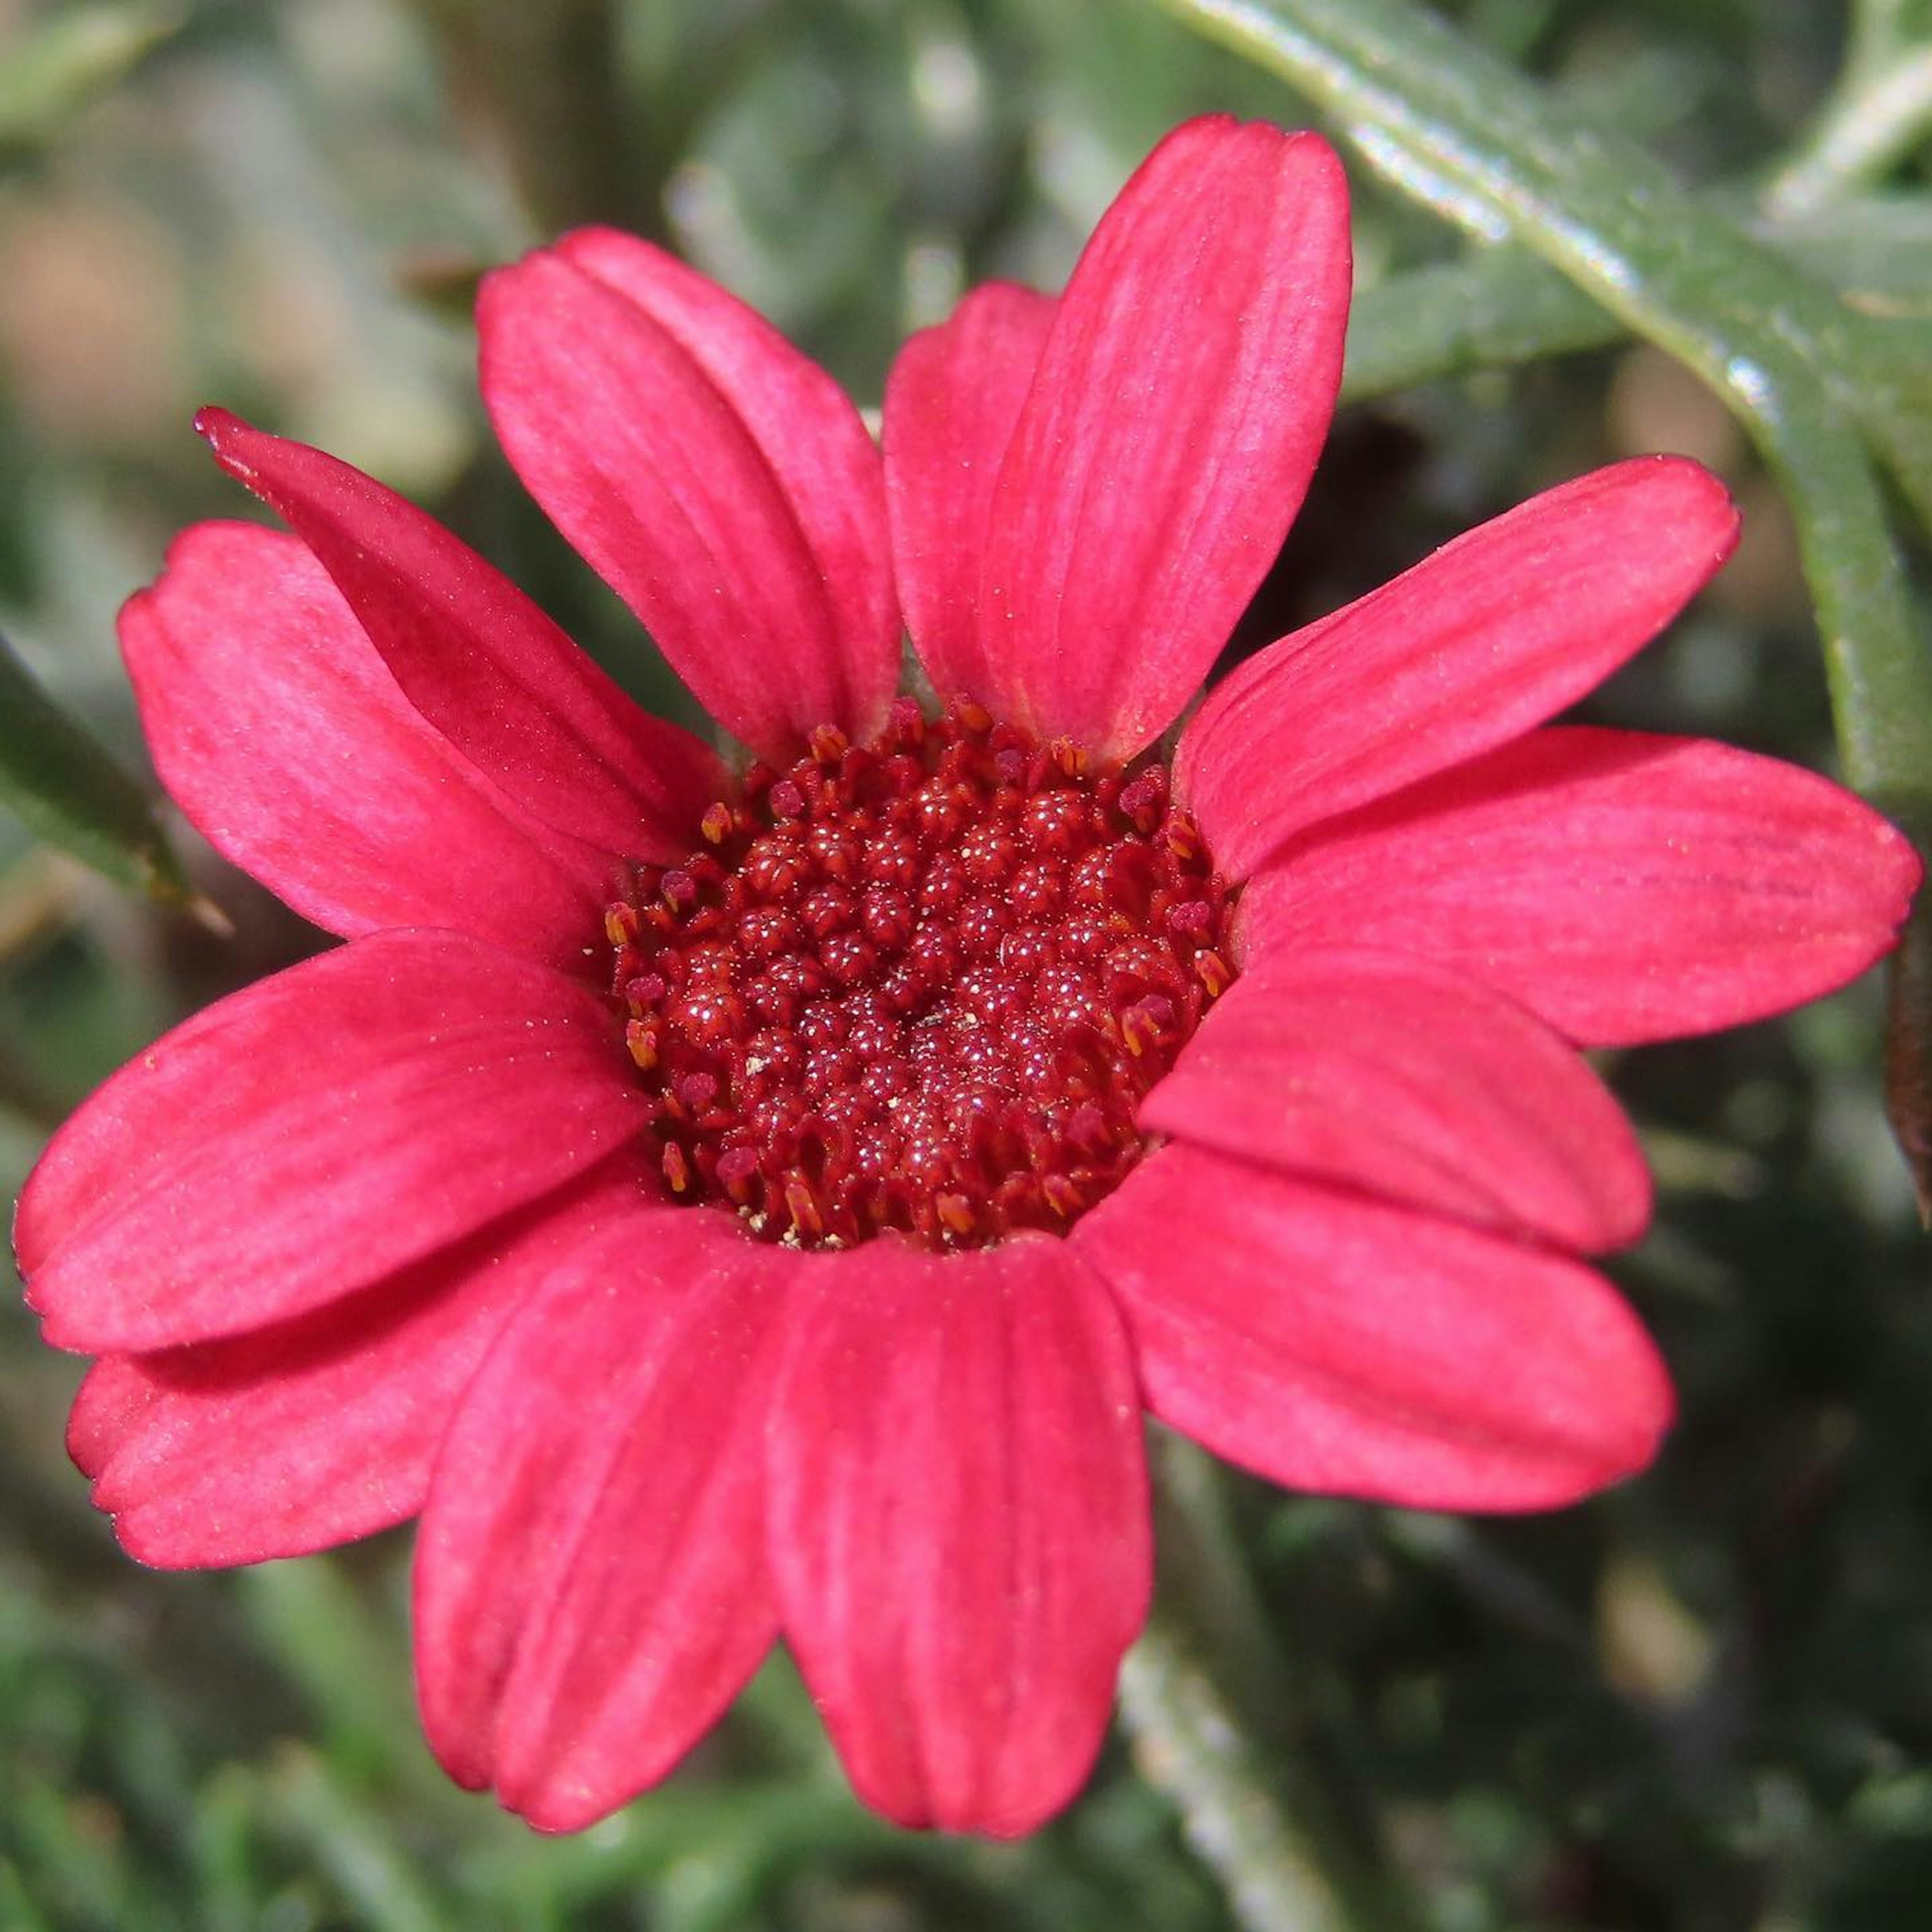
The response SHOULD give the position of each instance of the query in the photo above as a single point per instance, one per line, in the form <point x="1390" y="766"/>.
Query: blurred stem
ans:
<point x="540" y="85"/>
<point x="1879" y="110"/>
<point x="66" y="790"/>
<point x="1861" y="134"/>
<point x="1205" y="1697"/>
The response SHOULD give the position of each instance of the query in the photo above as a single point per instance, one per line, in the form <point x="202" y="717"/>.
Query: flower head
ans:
<point x="730" y="1201"/>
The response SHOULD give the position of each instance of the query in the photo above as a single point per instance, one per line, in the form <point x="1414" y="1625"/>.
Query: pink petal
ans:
<point x="1626" y="887"/>
<point x="275" y="727"/>
<point x="1182" y="396"/>
<point x="478" y="659"/>
<point x="951" y="403"/>
<point x="959" y="1523"/>
<point x="315" y="1431"/>
<point x="720" y="482"/>
<point x="311" y="1134"/>
<point x="1339" y="1344"/>
<point x="1396" y="1076"/>
<point x="1493" y="634"/>
<point x="590" y="1575"/>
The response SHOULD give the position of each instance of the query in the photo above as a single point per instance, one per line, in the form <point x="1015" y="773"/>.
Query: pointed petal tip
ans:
<point x="220" y="428"/>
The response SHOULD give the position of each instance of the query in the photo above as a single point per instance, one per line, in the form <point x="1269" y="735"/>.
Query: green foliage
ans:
<point x="65" y="788"/>
<point x="1585" y="229"/>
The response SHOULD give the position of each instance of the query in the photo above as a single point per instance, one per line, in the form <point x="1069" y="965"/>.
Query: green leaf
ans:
<point x="49" y="73"/>
<point x="1488" y="149"/>
<point x="1499" y="305"/>
<point x="69" y="791"/>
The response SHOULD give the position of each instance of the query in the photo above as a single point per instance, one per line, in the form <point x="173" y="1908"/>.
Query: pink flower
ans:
<point x="730" y="1205"/>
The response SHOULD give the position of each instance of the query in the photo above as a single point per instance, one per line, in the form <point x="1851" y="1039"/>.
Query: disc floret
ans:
<point x="921" y="984"/>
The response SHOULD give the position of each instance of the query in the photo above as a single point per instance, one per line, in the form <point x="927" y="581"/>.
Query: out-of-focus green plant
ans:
<point x="1705" y="1701"/>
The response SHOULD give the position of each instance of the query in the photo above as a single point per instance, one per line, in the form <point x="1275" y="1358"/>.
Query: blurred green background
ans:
<point x="1703" y="1701"/>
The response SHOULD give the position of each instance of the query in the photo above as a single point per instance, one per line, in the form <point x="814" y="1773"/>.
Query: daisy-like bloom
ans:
<point x="730" y="1202"/>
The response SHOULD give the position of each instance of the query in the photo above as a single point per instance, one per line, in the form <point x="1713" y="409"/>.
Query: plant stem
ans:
<point x="1880" y="109"/>
<point x="1206" y="1699"/>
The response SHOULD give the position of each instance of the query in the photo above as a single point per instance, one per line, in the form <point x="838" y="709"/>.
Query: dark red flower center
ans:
<point x="921" y="984"/>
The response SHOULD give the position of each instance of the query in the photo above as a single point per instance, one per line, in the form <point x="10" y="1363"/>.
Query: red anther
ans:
<point x="1057" y="823"/>
<point x="1139" y="1031"/>
<point x="905" y="723"/>
<point x="716" y="823"/>
<point x="679" y="890"/>
<point x="698" y="1090"/>
<point x="641" y="1038"/>
<point x="835" y="851"/>
<point x="827" y="909"/>
<point x="1191" y="917"/>
<point x="943" y="887"/>
<point x="1181" y="837"/>
<point x="1061" y="1195"/>
<point x="850" y="958"/>
<point x="827" y="744"/>
<point x="676" y="1169"/>
<point x="972" y="714"/>
<point x="894" y="858"/>
<point x="826" y="1024"/>
<point x="764" y="931"/>
<point x="1095" y="878"/>
<point x="786" y="799"/>
<point x="955" y="1212"/>
<point x="1144" y="797"/>
<point x="991" y="853"/>
<point x="801" y="1204"/>
<point x="647" y="989"/>
<point x="620" y="924"/>
<point x="981" y="925"/>
<point x="772" y="866"/>
<point x="736" y="1172"/>
<point x="888" y="916"/>
<point x="941" y="813"/>
<point x="1214" y="973"/>
<point x="902" y="775"/>
<point x="708" y="1016"/>
<point x="1037" y="889"/>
